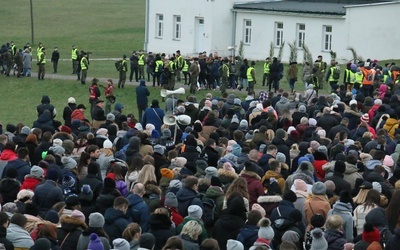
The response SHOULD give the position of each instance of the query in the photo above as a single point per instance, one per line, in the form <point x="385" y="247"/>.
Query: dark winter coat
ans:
<point x="45" y="105"/>
<point x="43" y="122"/>
<point x="95" y="185"/>
<point x="154" y="116"/>
<point x="3" y="234"/>
<point x="328" y="121"/>
<point x="47" y="194"/>
<point x="98" y="114"/>
<point x="191" y="154"/>
<point x="335" y="239"/>
<point x="138" y="211"/>
<point x="248" y="235"/>
<point x="43" y="146"/>
<point x="9" y="189"/>
<point x="69" y="232"/>
<point x="106" y="200"/>
<point x="281" y="145"/>
<point x="160" y="227"/>
<point x="67" y="113"/>
<point x="337" y="129"/>
<point x="212" y="156"/>
<point x="340" y="183"/>
<point x="285" y="208"/>
<point x="187" y="197"/>
<point x="115" y="223"/>
<point x="141" y="95"/>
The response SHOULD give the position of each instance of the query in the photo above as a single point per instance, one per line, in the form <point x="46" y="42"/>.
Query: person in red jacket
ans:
<point x="321" y="157"/>
<point x="32" y="179"/>
<point x="253" y="180"/>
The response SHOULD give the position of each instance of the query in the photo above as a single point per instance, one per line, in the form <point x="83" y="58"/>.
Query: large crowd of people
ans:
<point x="275" y="170"/>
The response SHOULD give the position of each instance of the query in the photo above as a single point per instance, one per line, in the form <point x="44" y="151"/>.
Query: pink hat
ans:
<point x="314" y="145"/>
<point x="300" y="185"/>
<point x="365" y="118"/>
<point x="228" y="167"/>
<point x="78" y="215"/>
<point x="388" y="161"/>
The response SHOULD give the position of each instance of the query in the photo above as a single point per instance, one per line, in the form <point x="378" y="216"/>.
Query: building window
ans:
<point x="278" y="34"/>
<point x="301" y="35"/>
<point x="177" y="28"/>
<point x="159" y="25"/>
<point x="327" y="46"/>
<point x="247" y="31"/>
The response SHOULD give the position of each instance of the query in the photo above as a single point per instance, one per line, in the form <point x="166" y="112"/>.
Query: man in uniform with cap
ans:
<point x="84" y="67"/>
<point x="41" y="63"/>
<point x="122" y="72"/>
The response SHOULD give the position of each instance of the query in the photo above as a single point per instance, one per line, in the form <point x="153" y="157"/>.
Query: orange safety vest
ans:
<point x="368" y="78"/>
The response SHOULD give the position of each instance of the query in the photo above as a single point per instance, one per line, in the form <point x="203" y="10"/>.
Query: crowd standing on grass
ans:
<point x="275" y="170"/>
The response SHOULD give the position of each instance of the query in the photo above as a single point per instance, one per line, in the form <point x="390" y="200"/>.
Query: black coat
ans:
<point x="212" y="156"/>
<point x="160" y="227"/>
<point x="115" y="223"/>
<point x="95" y="184"/>
<point x="43" y="146"/>
<point x="47" y="194"/>
<point x="338" y="129"/>
<point x="8" y="244"/>
<point x="106" y="200"/>
<point x="281" y="145"/>
<point x="67" y="113"/>
<point x="141" y="96"/>
<point x="9" y="189"/>
<point x="340" y="183"/>
<point x="69" y="232"/>
<point x="328" y="121"/>
<point x="98" y="114"/>
<point x="335" y="239"/>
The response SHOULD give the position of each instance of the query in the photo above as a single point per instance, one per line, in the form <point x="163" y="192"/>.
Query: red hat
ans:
<point x="370" y="233"/>
<point x="65" y="129"/>
<point x="365" y="118"/>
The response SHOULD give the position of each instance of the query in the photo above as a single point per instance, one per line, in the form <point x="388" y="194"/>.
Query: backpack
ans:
<point x="118" y="65"/>
<point x="210" y="214"/>
<point x="336" y="73"/>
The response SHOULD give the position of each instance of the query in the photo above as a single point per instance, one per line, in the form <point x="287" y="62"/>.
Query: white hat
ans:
<point x="71" y="100"/>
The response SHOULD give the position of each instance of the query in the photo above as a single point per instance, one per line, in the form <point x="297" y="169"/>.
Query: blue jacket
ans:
<point x="21" y="166"/>
<point x="115" y="223"/>
<point x="141" y="95"/>
<point x="187" y="197"/>
<point x="150" y="116"/>
<point x="47" y="194"/>
<point x="248" y="235"/>
<point x="138" y="211"/>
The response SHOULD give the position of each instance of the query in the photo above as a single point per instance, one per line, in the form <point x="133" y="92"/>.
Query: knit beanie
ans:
<point x="68" y="145"/>
<point x="52" y="216"/>
<point x="68" y="162"/>
<point x="215" y="182"/>
<point x="107" y="144"/>
<point x="95" y="242"/>
<point x="171" y="200"/>
<point x="195" y="211"/>
<point x="319" y="242"/>
<point x="52" y="174"/>
<point x="289" y="195"/>
<point x="265" y="231"/>
<point x="345" y="197"/>
<point x="281" y="157"/>
<point x="179" y="162"/>
<point x="58" y="150"/>
<point x="234" y="245"/>
<point x="280" y="133"/>
<point x="68" y="181"/>
<point x="166" y="172"/>
<point x="244" y="123"/>
<point x="175" y="184"/>
<point x="41" y="244"/>
<point x="300" y="185"/>
<point x="96" y="220"/>
<point x="37" y="171"/>
<point x="121" y="244"/>
<point x="57" y="142"/>
<point x="211" y="171"/>
<point x="159" y="149"/>
<point x="370" y="233"/>
<point x="78" y="215"/>
<point x="147" y="240"/>
<point x="340" y="167"/>
<point x="314" y="145"/>
<point x="291" y="236"/>
<point x="249" y="135"/>
<point x="236" y="150"/>
<point x="86" y="193"/>
<point x="318" y="188"/>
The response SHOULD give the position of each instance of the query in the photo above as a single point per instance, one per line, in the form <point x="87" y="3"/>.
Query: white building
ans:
<point x="194" y="26"/>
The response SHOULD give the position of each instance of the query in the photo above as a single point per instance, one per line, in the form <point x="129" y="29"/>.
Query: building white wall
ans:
<point x="372" y="30"/>
<point x="263" y="33"/>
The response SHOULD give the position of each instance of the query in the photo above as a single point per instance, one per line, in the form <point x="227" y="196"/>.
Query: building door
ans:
<point x="199" y="39"/>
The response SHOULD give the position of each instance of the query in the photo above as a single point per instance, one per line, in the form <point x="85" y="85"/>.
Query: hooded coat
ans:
<point x="142" y="93"/>
<point x="254" y="185"/>
<point x="19" y="237"/>
<point x="187" y="197"/>
<point x="115" y="223"/>
<point x="344" y="210"/>
<point x="317" y="204"/>
<point x="335" y="239"/>
<point x="161" y="228"/>
<point x="138" y="211"/>
<point x="69" y="232"/>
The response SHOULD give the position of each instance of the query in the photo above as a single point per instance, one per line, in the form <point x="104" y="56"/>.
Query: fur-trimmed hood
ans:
<point x="226" y="175"/>
<point x="249" y="174"/>
<point x="269" y="199"/>
<point x="152" y="189"/>
<point x="69" y="223"/>
<point x="349" y="111"/>
<point x="62" y="135"/>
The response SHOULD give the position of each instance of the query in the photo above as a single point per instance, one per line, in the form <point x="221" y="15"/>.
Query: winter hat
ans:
<point x="323" y="149"/>
<point x="68" y="145"/>
<point x="319" y="242"/>
<point x="58" y="150"/>
<point x="96" y="220"/>
<point x="259" y="208"/>
<point x="68" y="162"/>
<point x="10" y="207"/>
<point x="289" y="195"/>
<point x="166" y="133"/>
<point x="340" y="167"/>
<point x="314" y="145"/>
<point x="24" y="195"/>
<point x="291" y="236"/>
<point x="86" y="193"/>
<point x="65" y="129"/>
<point x="110" y="117"/>
<point x="102" y="131"/>
<point x="52" y="174"/>
<point x="72" y="201"/>
<point x="41" y="244"/>
<point x="377" y="186"/>
<point x="370" y="233"/>
<point x="107" y="144"/>
<point x="312" y="122"/>
<point x="78" y="215"/>
<point x="195" y="211"/>
<point x="228" y="167"/>
<point x="171" y="200"/>
<point x="139" y="126"/>
<point x="365" y="118"/>
<point x="147" y="240"/>
<point x="235" y="119"/>
<point x="280" y="133"/>
<point x="281" y="157"/>
<point x="290" y="129"/>
<point x="301" y="159"/>
<point x="300" y="185"/>
<point x="109" y="183"/>
<point x="122" y="244"/>
<point x="166" y="172"/>
<point x="37" y="171"/>
<point x="388" y="161"/>
<point x="175" y="184"/>
<point x="249" y="135"/>
<point x="179" y="162"/>
<point x="330" y="185"/>
<point x="95" y="242"/>
<point x="265" y="231"/>
<point x="310" y="157"/>
<point x="57" y="142"/>
<point x="25" y="130"/>
<point x="211" y="171"/>
<point x="365" y="157"/>
<point x="155" y="134"/>
<point x="318" y="188"/>
<point x="159" y="149"/>
<point x="71" y="100"/>
<point x="236" y="150"/>
<point x="52" y="216"/>
<point x="345" y="197"/>
<point x="216" y="181"/>
<point x="234" y="245"/>
<point x="244" y="123"/>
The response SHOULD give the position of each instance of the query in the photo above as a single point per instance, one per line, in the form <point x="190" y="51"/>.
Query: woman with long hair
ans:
<point x="80" y="144"/>
<point x="239" y="185"/>
<point x="133" y="171"/>
<point x="49" y="231"/>
<point x="393" y="211"/>
<point x="372" y="200"/>
<point x="31" y="143"/>
<point x="285" y="120"/>
<point x="116" y="174"/>
<point x="132" y="234"/>
<point x="147" y="174"/>
<point x="174" y="243"/>
<point x="83" y="163"/>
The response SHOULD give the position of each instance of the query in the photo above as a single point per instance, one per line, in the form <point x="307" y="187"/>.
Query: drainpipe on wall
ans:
<point x="233" y="27"/>
<point x="146" y="30"/>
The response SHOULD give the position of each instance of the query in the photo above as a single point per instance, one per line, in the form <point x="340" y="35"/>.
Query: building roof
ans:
<point x="295" y="7"/>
